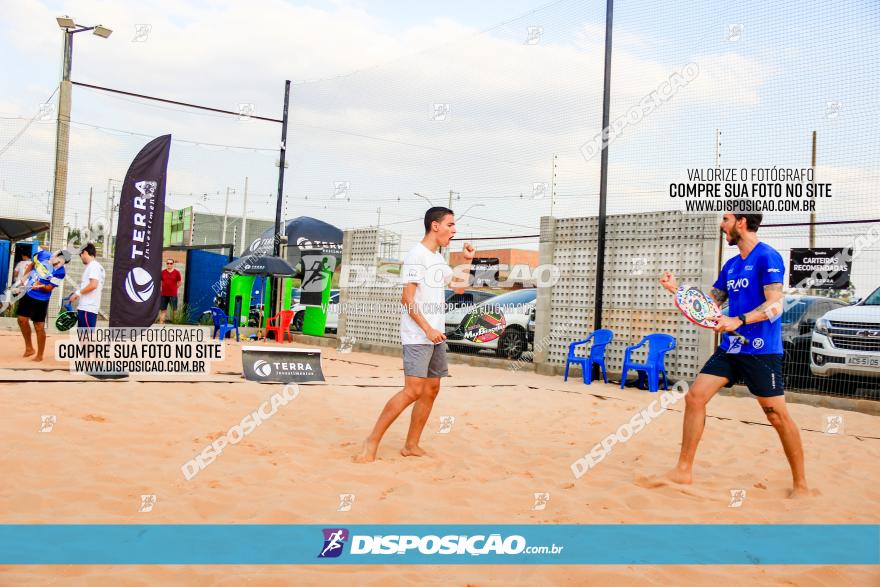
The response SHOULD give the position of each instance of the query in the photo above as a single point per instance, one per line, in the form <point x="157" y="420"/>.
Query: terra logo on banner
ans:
<point x="139" y="285"/>
<point x="262" y="368"/>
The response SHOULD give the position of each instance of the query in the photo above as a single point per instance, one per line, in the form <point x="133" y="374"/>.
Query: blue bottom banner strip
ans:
<point x="541" y="544"/>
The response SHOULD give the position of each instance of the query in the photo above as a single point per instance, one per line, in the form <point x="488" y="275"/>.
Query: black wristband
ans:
<point x="742" y="317"/>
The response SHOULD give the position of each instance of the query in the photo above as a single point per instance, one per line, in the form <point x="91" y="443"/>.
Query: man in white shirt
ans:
<point x="425" y="274"/>
<point x="89" y="292"/>
<point x="21" y="270"/>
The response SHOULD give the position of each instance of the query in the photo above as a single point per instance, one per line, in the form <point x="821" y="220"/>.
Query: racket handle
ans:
<point x="744" y="340"/>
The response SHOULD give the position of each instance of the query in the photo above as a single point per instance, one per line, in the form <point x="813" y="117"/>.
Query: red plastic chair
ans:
<point x="282" y="330"/>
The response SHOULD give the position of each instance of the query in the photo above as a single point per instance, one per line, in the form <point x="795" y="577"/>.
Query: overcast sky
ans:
<point x="366" y="76"/>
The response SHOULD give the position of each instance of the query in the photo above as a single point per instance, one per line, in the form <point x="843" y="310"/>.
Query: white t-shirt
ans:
<point x="20" y="270"/>
<point x="432" y="273"/>
<point x="91" y="301"/>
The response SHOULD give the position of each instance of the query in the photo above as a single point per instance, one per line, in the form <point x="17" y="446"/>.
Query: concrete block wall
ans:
<point x="370" y="312"/>
<point x="639" y="247"/>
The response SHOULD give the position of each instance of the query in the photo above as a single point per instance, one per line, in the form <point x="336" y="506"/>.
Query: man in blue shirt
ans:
<point x="45" y="273"/>
<point x="751" y="283"/>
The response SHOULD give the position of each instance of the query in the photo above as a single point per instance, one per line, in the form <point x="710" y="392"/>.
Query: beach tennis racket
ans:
<point x="700" y="309"/>
<point x="483" y="324"/>
<point x="66" y="319"/>
<point x="16" y="292"/>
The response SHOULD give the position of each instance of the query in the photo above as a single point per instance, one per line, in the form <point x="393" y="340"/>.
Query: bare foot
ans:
<point x="38" y="358"/>
<point x="368" y="454"/>
<point x="673" y="476"/>
<point x="414" y="451"/>
<point x="800" y="491"/>
<point x="28" y="352"/>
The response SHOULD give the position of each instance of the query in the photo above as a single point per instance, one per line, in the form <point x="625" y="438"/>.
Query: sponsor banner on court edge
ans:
<point x="137" y="262"/>
<point x="281" y="365"/>
<point x="340" y="543"/>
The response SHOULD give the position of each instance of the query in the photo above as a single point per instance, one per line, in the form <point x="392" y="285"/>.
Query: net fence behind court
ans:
<point x="501" y="126"/>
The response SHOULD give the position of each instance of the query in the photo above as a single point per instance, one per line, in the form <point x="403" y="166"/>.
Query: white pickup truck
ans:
<point x="846" y="342"/>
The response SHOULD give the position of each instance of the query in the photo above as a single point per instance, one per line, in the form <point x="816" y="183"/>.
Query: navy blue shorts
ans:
<point x="762" y="374"/>
<point x="86" y="319"/>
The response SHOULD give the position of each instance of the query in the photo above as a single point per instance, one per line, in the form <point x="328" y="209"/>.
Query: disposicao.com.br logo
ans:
<point x="334" y="540"/>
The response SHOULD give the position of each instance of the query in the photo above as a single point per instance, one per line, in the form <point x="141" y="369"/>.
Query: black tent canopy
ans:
<point x="303" y="234"/>
<point x="16" y="229"/>
<point x="260" y="265"/>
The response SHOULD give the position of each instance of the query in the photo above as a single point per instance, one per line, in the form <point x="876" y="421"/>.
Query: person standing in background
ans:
<point x="89" y="292"/>
<point x="21" y="270"/>
<point x="170" y="282"/>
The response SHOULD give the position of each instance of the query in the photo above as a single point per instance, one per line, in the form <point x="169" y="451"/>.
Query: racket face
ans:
<point x="40" y="271"/>
<point x="483" y="325"/>
<point x="697" y="306"/>
<point x="65" y="321"/>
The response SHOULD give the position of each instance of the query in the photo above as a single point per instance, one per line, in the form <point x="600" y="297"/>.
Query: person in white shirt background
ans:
<point x="425" y="274"/>
<point x="89" y="292"/>
<point x="21" y="270"/>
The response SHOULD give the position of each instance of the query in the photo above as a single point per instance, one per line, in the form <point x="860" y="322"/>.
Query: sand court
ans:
<point x="513" y="434"/>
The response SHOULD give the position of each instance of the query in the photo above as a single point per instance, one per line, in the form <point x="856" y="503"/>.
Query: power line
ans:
<point x="27" y="126"/>
<point x="165" y="100"/>
<point x="196" y="143"/>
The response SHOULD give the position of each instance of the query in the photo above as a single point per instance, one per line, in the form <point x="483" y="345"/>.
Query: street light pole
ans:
<point x="62" y="134"/>
<point x="62" y="144"/>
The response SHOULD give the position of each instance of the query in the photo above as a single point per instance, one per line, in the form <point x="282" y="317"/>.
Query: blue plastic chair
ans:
<point x="653" y="367"/>
<point x="600" y="338"/>
<point x="223" y="324"/>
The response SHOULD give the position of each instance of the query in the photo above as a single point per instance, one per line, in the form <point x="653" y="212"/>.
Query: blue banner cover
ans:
<point x="540" y="544"/>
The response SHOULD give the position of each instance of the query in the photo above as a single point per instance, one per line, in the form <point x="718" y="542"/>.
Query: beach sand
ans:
<point x="515" y="434"/>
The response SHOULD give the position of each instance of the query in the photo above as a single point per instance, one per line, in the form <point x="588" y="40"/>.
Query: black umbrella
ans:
<point x="303" y="233"/>
<point x="260" y="265"/>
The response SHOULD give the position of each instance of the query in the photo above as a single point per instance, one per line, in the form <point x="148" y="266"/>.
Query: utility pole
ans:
<point x="450" y="207"/>
<point x="813" y="212"/>
<point x="553" y="184"/>
<point x="225" y="214"/>
<point x="109" y="237"/>
<point x="89" y="221"/>
<point x="378" y="217"/>
<point x="107" y="206"/>
<point x="244" y="215"/>
<point x="717" y="147"/>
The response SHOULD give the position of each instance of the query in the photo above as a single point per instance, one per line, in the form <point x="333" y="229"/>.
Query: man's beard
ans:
<point x="733" y="236"/>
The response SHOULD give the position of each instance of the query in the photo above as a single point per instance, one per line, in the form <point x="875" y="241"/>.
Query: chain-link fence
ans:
<point x="503" y="126"/>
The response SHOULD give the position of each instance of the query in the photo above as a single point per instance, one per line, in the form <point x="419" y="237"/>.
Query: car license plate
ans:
<point x="863" y="361"/>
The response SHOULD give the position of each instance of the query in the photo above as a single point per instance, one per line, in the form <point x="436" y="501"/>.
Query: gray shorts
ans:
<point x="425" y="360"/>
